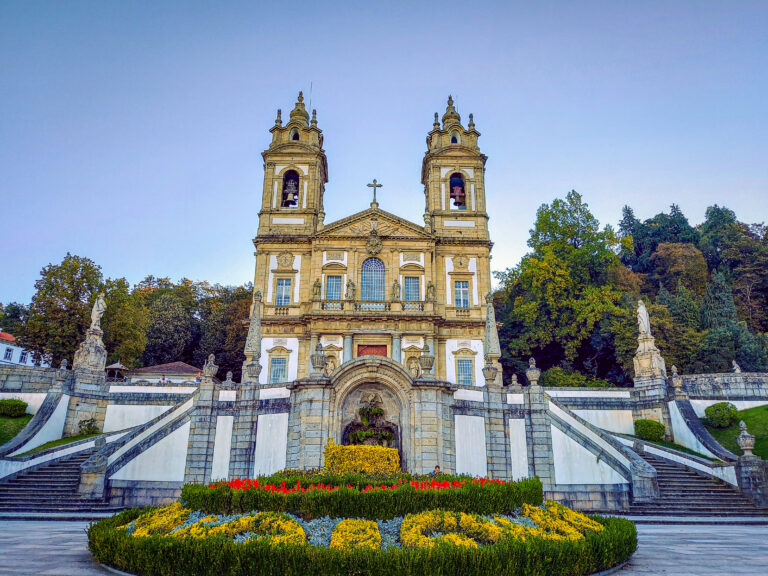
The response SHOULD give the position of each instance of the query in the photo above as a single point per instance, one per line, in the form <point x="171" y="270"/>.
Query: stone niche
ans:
<point x="371" y="414"/>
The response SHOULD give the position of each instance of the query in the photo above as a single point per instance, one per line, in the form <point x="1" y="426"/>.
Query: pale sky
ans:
<point x="131" y="132"/>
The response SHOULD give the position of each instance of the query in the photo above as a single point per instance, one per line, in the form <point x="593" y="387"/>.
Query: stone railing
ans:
<point x="372" y="307"/>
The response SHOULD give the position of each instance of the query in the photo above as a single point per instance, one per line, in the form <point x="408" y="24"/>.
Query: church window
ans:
<point x="278" y="370"/>
<point x="333" y="288"/>
<point x="283" y="292"/>
<point x="372" y="280"/>
<point x="455" y="137"/>
<point x="458" y="193"/>
<point x="411" y="292"/>
<point x="461" y="293"/>
<point x="23" y="357"/>
<point x="8" y="354"/>
<point x="465" y="373"/>
<point x="290" y="190"/>
<point x="294" y="134"/>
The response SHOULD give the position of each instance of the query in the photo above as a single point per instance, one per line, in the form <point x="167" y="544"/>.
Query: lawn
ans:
<point x="756" y="420"/>
<point x="9" y="427"/>
<point x="677" y="447"/>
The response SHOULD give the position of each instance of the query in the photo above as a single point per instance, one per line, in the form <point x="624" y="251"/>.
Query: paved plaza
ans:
<point x="59" y="549"/>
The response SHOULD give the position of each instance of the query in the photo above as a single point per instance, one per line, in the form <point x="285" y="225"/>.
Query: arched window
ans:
<point x="458" y="193"/>
<point x="294" y="134"/>
<point x="372" y="280"/>
<point x="455" y="137"/>
<point x="290" y="197"/>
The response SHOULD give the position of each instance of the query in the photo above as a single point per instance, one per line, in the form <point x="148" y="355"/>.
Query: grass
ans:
<point x="9" y="427"/>
<point x="59" y="442"/>
<point x="756" y="420"/>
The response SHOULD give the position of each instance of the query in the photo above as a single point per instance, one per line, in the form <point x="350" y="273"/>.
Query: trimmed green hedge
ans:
<point x="13" y="408"/>
<point x="158" y="556"/>
<point x="721" y="415"/>
<point x="374" y="505"/>
<point x="649" y="430"/>
<point x="556" y="377"/>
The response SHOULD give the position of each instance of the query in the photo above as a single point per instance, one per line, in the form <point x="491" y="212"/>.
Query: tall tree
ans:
<point x="171" y="331"/>
<point x="125" y="323"/>
<point x="13" y="317"/>
<point x="59" y="313"/>
<point x="719" y="309"/>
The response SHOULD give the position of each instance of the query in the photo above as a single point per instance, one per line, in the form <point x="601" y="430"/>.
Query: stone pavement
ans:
<point x="32" y="548"/>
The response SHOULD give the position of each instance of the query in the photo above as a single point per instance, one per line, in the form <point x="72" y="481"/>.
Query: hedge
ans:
<point x="721" y="415"/>
<point x="649" y="430"/>
<point x="13" y="408"/>
<point x="361" y="458"/>
<point x="159" y="556"/>
<point x="556" y="377"/>
<point x="351" y="503"/>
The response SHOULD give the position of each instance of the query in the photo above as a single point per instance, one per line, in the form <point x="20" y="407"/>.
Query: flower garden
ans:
<point x="309" y="523"/>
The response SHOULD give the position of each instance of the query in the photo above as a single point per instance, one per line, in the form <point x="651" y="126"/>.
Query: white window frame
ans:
<point x="461" y="296"/>
<point x="283" y="297"/>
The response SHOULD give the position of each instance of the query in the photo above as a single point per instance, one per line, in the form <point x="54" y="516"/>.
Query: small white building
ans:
<point x="12" y="353"/>
<point x="171" y="373"/>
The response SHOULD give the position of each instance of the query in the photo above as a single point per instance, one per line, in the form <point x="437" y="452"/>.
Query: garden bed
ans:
<point x="508" y="536"/>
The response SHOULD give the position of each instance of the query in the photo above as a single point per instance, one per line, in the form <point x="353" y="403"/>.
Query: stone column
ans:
<point x="347" y="348"/>
<point x="396" y="352"/>
<point x="538" y="430"/>
<point x="202" y="428"/>
<point x="430" y="343"/>
<point x="751" y="470"/>
<point x="312" y="346"/>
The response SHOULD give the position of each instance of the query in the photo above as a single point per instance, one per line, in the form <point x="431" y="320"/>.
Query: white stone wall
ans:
<point x="611" y="420"/>
<point x="470" y="445"/>
<point x="271" y="444"/>
<point x="574" y="464"/>
<point x="518" y="448"/>
<point x="164" y="461"/>
<point x="699" y="406"/>
<point x="222" y="447"/>
<point x="122" y="416"/>
<point x="682" y="434"/>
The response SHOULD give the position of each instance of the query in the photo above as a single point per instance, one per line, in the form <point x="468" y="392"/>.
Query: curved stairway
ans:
<point x="50" y="489"/>
<point x="686" y="492"/>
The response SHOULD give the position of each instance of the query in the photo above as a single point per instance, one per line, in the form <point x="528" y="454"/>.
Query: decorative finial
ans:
<point x="279" y="119"/>
<point x="471" y="121"/>
<point x="450" y="100"/>
<point x="301" y="96"/>
<point x="314" y="117"/>
<point x="374" y="185"/>
<point x="436" y="123"/>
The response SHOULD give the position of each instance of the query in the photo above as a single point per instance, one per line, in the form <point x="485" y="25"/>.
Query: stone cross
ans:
<point x="374" y="185"/>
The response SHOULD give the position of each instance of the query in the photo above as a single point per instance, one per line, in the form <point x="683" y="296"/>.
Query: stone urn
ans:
<point x="745" y="440"/>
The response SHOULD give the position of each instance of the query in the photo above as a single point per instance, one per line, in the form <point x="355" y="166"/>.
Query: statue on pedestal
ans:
<point x="99" y="307"/>
<point x="92" y="354"/>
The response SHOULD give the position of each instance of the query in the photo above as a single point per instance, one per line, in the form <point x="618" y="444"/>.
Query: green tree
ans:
<point x="171" y="331"/>
<point x="13" y="317"/>
<point x="59" y="313"/>
<point x="685" y="309"/>
<point x="719" y="309"/>
<point x="675" y="263"/>
<point x="125" y="323"/>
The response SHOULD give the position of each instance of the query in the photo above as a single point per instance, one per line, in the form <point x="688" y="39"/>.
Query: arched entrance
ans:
<point x="373" y="381"/>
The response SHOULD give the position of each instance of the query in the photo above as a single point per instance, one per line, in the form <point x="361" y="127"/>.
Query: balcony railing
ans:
<point x="372" y="306"/>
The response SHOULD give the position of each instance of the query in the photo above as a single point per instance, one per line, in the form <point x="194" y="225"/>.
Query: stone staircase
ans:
<point x="685" y="492"/>
<point x="50" y="489"/>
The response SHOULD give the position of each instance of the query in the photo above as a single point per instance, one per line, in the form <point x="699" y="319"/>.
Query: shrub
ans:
<point x="361" y="458"/>
<point x="721" y="415"/>
<point x="112" y="544"/>
<point x="352" y="500"/>
<point x="349" y="534"/>
<point x="88" y="426"/>
<point x="556" y="377"/>
<point x="649" y="430"/>
<point x="13" y="408"/>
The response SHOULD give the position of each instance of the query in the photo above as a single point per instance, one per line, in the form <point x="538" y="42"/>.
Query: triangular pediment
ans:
<point x="361" y="224"/>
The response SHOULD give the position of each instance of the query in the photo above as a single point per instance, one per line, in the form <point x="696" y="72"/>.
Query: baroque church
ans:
<point x="373" y="329"/>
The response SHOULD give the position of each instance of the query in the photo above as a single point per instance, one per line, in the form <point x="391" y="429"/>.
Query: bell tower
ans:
<point x="453" y="174"/>
<point x="295" y="174"/>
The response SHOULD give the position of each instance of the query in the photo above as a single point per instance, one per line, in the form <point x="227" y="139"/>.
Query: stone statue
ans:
<point x="97" y="312"/>
<point x="330" y="365"/>
<point x="350" y="293"/>
<point x="736" y="367"/>
<point x="413" y="366"/>
<point x="431" y="292"/>
<point x="316" y="288"/>
<point x="643" y="321"/>
<point x="396" y="291"/>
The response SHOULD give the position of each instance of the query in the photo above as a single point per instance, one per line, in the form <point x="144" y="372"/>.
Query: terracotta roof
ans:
<point x="170" y="368"/>
<point x="7" y="337"/>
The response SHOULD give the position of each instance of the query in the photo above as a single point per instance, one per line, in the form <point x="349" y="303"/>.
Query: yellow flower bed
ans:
<point x="276" y="527"/>
<point x="361" y="458"/>
<point x="554" y="522"/>
<point x="349" y="534"/>
<point x="161" y="521"/>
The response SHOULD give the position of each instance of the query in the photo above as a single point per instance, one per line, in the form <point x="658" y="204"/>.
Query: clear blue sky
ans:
<point x="131" y="132"/>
